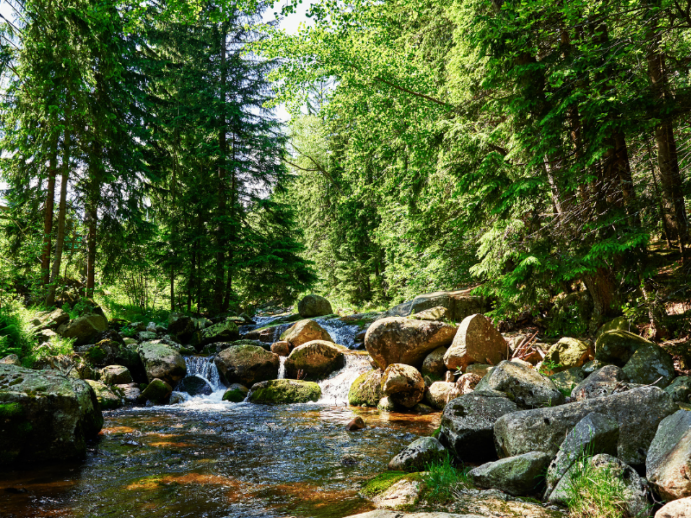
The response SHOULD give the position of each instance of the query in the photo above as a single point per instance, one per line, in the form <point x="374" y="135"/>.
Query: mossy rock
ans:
<point x="381" y="483"/>
<point x="366" y="389"/>
<point x="236" y="393"/>
<point x="617" y="347"/>
<point x="223" y="332"/>
<point x="284" y="392"/>
<point x="247" y="365"/>
<point x="158" y="392"/>
<point x="106" y="397"/>
<point x="162" y="362"/>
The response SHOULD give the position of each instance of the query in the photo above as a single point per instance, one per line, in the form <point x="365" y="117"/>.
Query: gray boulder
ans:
<point x="467" y="425"/>
<point x="477" y="341"/>
<point x="458" y="304"/>
<point x="316" y="359"/>
<point x="638" y="413"/>
<point x="523" y="385"/>
<point x="680" y="389"/>
<point x="617" y="346"/>
<point x="84" y="329"/>
<point x="314" y="306"/>
<point x="568" y="380"/>
<point x="440" y="393"/>
<point x="226" y="331"/>
<point x="650" y="363"/>
<point x="595" y="433"/>
<point x="668" y="465"/>
<point x="366" y="389"/>
<point x="520" y="475"/>
<point x="45" y="416"/>
<point x="162" y="362"/>
<point x="633" y="487"/>
<point x="403" y="384"/>
<point x="107" y="399"/>
<point x="604" y="382"/>
<point x="417" y="455"/>
<point x="247" y="365"/>
<point x="116" y="375"/>
<point x="158" y="391"/>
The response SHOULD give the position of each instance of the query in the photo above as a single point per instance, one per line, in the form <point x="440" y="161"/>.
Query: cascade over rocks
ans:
<point x="317" y="359"/>
<point x="314" y="306"/>
<point x="617" y="346"/>
<point x="407" y="341"/>
<point x="247" y="365"/>
<point x="467" y="425"/>
<point x="476" y="341"/>
<point x="44" y="415"/>
<point x="668" y="464"/>
<point x="84" y="329"/>
<point x="366" y="389"/>
<point x="519" y="475"/>
<point x="638" y="413"/>
<point x="284" y="392"/>
<point x="403" y="384"/>
<point x="305" y="331"/>
<point x="417" y="455"/>
<point x="162" y="362"/>
<point x="522" y="384"/>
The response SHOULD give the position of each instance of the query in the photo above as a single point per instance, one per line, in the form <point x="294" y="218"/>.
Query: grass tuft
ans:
<point x="381" y="483"/>
<point x="596" y="492"/>
<point x="442" y="478"/>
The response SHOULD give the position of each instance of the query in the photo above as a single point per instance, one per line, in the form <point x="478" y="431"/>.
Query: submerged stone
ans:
<point x="284" y="392"/>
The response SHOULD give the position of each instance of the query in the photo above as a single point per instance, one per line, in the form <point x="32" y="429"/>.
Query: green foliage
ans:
<point x="595" y="493"/>
<point x="381" y="483"/>
<point x="16" y="334"/>
<point x="442" y="478"/>
<point x="548" y="367"/>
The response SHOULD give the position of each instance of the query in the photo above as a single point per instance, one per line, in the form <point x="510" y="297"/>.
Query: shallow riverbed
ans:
<point x="212" y="459"/>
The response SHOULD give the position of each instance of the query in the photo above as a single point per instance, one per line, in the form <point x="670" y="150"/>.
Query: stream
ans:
<point x="204" y="457"/>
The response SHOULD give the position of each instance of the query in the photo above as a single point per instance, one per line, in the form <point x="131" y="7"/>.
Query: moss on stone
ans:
<point x="284" y="392"/>
<point x="381" y="483"/>
<point x="366" y="389"/>
<point x="96" y="355"/>
<point x="234" y="396"/>
<point x="9" y="410"/>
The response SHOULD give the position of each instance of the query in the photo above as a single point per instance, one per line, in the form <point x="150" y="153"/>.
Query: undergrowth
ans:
<point x="16" y="333"/>
<point x="442" y="478"/>
<point x="596" y="492"/>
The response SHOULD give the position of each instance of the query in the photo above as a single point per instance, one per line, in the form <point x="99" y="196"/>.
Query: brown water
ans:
<point x="221" y="460"/>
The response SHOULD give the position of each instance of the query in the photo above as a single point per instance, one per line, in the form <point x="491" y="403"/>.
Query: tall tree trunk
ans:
<point x="219" y="284"/>
<point x="48" y="210"/>
<point x="62" y="217"/>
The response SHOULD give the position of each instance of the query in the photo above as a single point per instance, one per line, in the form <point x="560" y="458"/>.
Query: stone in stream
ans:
<point x="316" y="360"/>
<point x="129" y="392"/>
<point x="422" y="409"/>
<point x="282" y="348"/>
<point x="314" y="306"/>
<point x="403" y="384"/>
<point x="162" y="362"/>
<point x="236" y="393"/>
<point x="246" y="364"/>
<point x="633" y="493"/>
<point x="476" y="341"/>
<point x="116" y="375"/>
<point x="668" y="465"/>
<point x="677" y="509"/>
<point x="650" y="364"/>
<point x="440" y="393"/>
<point x="366" y="389"/>
<point x="680" y="389"/>
<point x="522" y="384"/>
<point x="195" y="386"/>
<point x="617" y="347"/>
<point x="158" y="392"/>
<point x="638" y="413"/>
<point x="44" y="415"/>
<point x="105" y="396"/>
<point x="386" y="405"/>
<point x="355" y="424"/>
<point x="84" y="329"/>
<point x="417" y="455"/>
<point x="226" y="331"/>
<point x="467" y="425"/>
<point x="519" y="475"/>
<point x="305" y="331"/>
<point x="407" y="341"/>
<point x="433" y="364"/>
<point x="284" y="392"/>
<point x="570" y="352"/>
<point x="595" y="433"/>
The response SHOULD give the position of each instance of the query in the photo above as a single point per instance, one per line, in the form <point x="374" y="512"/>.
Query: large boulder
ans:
<point x="44" y="415"/>
<point x="668" y="466"/>
<point x="116" y="375"/>
<point x="305" y="331"/>
<point x="680" y="389"/>
<point x="567" y="380"/>
<point x="458" y="304"/>
<point x="226" y="331"/>
<point x="417" y="455"/>
<point x="638" y="413"/>
<point x="520" y="475"/>
<point x="595" y="433"/>
<point x="236" y="393"/>
<point x="649" y="364"/>
<point x="617" y="346"/>
<point x="314" y="306"/>
<point x="158" y="392"/>
<point x="522" y="384"/>
<point x="109" y="352"/>
<point x="162" y="362"/>
<point x="84" y="329"/>
<point x="433" y="364"/>
<point x="677" y="509"/>
<point x="633" y="490"/>
<point x="403" y="340"/>
<point x="50" y="319"/>
<point x="106" y="398"/>
<point x="603" y="382"/>
<point x="440" y="393"/>
<point x="477" y="341"/>
<point x="284" y="392"/>
<point x="366" y="389"/>
<point x="247" y="365"/>
<point x="403" y="384"/>
<point x="195" y="386"/>
<point x="467" y="425"/>
<point x="316" y="360"/>
<point x="570" y="352"/>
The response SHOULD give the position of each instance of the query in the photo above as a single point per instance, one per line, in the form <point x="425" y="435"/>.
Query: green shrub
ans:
<point x="595" y="492"/>
<point x="442" y="478"/>
<point x="16" y="335"/>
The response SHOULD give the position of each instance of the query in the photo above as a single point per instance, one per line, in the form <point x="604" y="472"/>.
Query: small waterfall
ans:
<point x="282" y="367"/>
<point x="205" y="368"/>
<point x="340" y="332"/>
<point x="202" y="367"/>
<point x="335" y="388"/>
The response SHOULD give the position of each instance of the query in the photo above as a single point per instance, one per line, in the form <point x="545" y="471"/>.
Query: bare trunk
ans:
<point x="48" y="210"/>
<point x="602" y="289"/>
<point x="219" y="285"/>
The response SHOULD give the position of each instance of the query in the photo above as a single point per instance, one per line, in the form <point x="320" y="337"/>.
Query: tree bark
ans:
<point x="219" y="284"/>
<point x="48" y="210"/>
